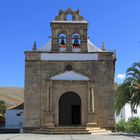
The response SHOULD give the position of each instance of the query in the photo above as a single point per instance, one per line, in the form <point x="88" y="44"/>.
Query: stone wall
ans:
<point x="37" y="83"/>
<point x="32" y="94"/>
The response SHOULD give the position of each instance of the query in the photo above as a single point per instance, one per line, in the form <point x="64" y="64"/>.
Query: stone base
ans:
<point x="91" y="119"/>
<point x="91" y="124"/>
<point x="29" y="129"/>
<point x="48" y="120"/>
<point x="49" y="125"/>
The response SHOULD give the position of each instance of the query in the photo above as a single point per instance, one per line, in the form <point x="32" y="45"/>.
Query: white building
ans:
<point x="14" y="116"/>
<point x="127" y="113"/>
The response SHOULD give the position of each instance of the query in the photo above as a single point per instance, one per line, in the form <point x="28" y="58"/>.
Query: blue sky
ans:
<point x="116" y="22"/>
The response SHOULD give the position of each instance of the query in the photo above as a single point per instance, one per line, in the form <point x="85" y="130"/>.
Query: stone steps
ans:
<point x="71" y="130"/>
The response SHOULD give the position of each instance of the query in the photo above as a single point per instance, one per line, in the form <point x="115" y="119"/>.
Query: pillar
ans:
<point x="49" y="116"/>
<point x="91" y="116"/>
<point x="69" y="44"/>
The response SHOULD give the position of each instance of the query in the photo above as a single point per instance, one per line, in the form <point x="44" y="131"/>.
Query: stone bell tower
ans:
<point x="69" y="31"/>
<point x="69" y="81"/>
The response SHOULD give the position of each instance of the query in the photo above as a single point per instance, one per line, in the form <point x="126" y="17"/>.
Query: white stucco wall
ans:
<point x="68" y="56"/>
<point x="120" y="116"/>
<point x="12" y="120"/>
<point x="126" y="113"/>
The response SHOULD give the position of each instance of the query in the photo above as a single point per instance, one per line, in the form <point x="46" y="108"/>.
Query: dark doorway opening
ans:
<point x="70" y="109"/>
<point x="75" y="120"/>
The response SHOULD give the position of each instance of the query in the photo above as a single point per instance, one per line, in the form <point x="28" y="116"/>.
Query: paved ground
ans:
<point x="67" y="137"/>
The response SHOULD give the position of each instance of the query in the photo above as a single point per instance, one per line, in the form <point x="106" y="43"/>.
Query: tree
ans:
<point x="2" y="107"/>
<point x="129" y="91"/>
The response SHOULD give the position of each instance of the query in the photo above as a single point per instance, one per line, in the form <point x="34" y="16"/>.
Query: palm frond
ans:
<point x="129" y="91"/>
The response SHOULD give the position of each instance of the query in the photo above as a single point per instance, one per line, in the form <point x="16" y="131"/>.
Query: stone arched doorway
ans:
<point x="70" y="109"/>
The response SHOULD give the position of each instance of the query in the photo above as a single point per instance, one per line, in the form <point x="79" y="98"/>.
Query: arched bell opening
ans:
<point x="76" y="42"/>
<point x="62" y="42"/>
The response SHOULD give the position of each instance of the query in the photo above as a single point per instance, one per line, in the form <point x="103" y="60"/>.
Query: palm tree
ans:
<point x="2" y="107"/>
<point x="129" y="91"/>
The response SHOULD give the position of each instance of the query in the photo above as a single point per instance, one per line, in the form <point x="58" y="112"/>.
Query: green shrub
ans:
<point x="120" y="126"/>
<point x="132" y="125"/>
<point x="128" y="127"/>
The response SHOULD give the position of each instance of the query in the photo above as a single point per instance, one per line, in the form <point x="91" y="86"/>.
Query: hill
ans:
<point x="12" y="95"/>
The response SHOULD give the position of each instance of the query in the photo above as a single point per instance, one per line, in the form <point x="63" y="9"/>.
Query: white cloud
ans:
<point x="120" y="76"/>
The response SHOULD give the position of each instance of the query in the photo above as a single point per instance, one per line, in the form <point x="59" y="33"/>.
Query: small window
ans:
<point x="69" y="67"/>
<point x="135" y="111"/>
<point x="18" y="114"/>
